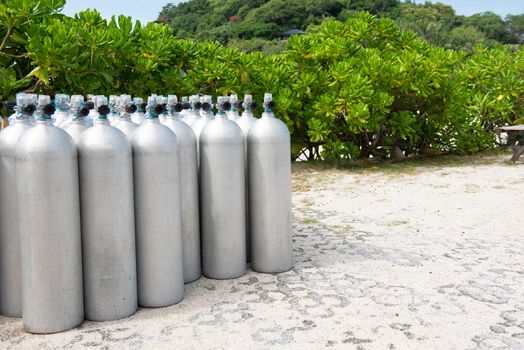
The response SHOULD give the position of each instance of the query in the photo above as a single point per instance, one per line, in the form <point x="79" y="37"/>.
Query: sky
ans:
<point x="147" y="10"/>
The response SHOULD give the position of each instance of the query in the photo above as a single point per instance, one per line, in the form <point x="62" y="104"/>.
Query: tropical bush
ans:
<point x="347" y="90"/>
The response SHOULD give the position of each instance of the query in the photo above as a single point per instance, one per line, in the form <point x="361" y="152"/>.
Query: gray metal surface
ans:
<point x="189" y="195"/>
<point x="49" y="226"/>
<point x="108" y="225"/>
<point x="10" y="291"/>
<point x="156" y="171"/>
<point x="125" y="125"/>
<point x="269" y="168"/>
<point x="245" y="122"/>
<point x="75" y="127"/>
<point x="222" y="199"/>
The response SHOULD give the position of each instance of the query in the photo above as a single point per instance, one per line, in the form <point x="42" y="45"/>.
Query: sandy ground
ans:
<point x="429" y="257"/>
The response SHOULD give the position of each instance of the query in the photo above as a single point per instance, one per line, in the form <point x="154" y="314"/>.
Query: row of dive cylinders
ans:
<point x="110" y="218"/>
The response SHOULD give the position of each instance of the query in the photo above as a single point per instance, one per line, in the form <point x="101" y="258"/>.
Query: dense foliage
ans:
<point x="346" y="90"/>
<point x="256" y="24"/>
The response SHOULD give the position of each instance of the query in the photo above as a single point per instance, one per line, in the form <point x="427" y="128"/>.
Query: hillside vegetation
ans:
<point x="256" y="24"/>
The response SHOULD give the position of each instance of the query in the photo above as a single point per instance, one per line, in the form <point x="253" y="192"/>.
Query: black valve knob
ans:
<point x="10" y="106"/>
<point x="158" y="109"/>
<point x="178" y="107"/>
<point x="131" y="108"/>
<point x="49" y="109"/>
<point x="84" y="111"/>
<point x="226" y="106"/>
<point x="29" y="109"/>
<point x="206" y="106"/>
<point x="143" y="106"/>
<point x="103" y="110"/>
<point x="90" y="104"/>
<point x="253" y="105"/>
<point x="197" y="105"/>
<point x="186" y="105"/>
<point x="271" y="104"/>
<point x="238" y="104"/>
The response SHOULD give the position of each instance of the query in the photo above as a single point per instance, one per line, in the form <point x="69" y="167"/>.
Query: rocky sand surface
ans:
<point x="427" y="258"/>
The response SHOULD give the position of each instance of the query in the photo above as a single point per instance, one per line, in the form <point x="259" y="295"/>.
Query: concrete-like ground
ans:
<point x="408" y="257"/>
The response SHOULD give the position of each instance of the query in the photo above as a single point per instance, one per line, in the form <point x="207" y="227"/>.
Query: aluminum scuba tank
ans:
<point x="138" y="117"/>
<point x="49" y="226"/>
<point x="222" y="197"/>
<point x="61" y="109"/>
<point x="10" y="285"/>
<point x="156" y="171"/>
<point x="269" y="168"/>
<point x="189" y="192"/>
<point x="206" y="115"/>
<point x="76" y="123"/>
<point x="232" y="114"/>
<point x="108" y="225"/>
<point x="125" y="108"/>
<point x="245" y="122"/>
<point x="194" y="112"/>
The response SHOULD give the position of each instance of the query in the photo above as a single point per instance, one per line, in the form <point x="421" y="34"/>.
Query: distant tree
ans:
<point x="491" y="25"/>
<point x="516" y="26"/>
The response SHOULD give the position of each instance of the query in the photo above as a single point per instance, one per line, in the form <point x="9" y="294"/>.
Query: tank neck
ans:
<point x="267" y="114"/>
<point x="247" y="114"/>
<point x="44" y="122"/>
<point x="221" y="115"/>
<point x="152" y="120"/>
<point x="99" y="121"/>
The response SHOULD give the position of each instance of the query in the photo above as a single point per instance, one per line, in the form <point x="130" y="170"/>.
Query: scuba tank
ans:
<point x="189" y="190"/>
<point x="49" y="226"/>
<point x="222" y="197"/>
<point x="269" y="168"/>
<point x="206" y="115"/>
<point x="245" y="122"/>
<point x="158" y="215"/>
<point x="108" y="226"/>
<point x="10" y="285"/>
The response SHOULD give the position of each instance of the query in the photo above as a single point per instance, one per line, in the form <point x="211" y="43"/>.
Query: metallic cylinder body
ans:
<point x="74" y="128"/>
<point x="49" y="226"/>
<point x="269" y="168"/>
<point x="138" y="117"/>
<point x="126" y="126"/>
<point x="198" y="125"/>
<point x="156" y="172"/>
<point x="10" y="289"/>
<point x="189" y="196"/>
<point x="222" y="199"/>
<point x="108" y="225"/>
<point x="245" y="122"/>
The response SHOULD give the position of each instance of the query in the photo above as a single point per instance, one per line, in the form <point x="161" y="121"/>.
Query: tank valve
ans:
<point x="90" y="105"/>
<point x="29" y="109"/>
<point x="178" y="107"/>
<point x="130" y="108"/>
<point x="103" y="110"/>
<point x="49" y="109"/>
